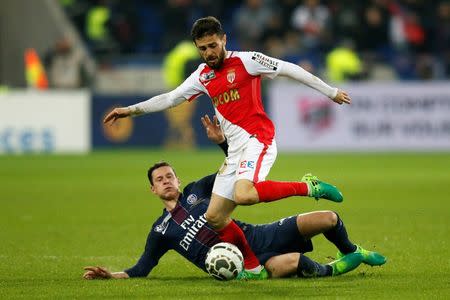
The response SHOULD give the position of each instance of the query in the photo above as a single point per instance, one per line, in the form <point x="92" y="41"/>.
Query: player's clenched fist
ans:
<point x="117" y="113"/>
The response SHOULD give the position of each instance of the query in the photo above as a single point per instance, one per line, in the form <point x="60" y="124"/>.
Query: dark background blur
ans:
<point x="338" y="40"/>
<point x="409" y="37"/>
<point x="385" y="53"/>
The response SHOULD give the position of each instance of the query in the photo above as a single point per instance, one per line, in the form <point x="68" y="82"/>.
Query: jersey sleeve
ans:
<point x="154" y="250"/>
<point x="206" y="183"/>
<point x="257" y="63"/>
<point x="298" y="73"/>
<point x="191" y="88"/>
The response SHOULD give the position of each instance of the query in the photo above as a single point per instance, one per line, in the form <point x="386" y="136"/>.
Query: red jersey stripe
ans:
<point x="259" y="162"/>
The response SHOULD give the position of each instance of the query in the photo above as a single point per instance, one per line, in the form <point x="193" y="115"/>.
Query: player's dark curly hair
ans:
<point x="206" y="26"/>
<point x="157" y="166"/>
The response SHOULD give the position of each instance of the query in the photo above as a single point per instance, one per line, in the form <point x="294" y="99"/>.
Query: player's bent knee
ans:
<point x="332" y="218"/>
<point x="241" y="198"/>
<point x="284" y="265"/>
<point x="215" y="220"/>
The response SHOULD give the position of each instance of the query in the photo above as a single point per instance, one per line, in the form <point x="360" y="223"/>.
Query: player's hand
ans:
<point x="117" y="113"/>
<point x="97" y="273"/>
<point x="342" y="97"/>
<point x="213" y="130"/>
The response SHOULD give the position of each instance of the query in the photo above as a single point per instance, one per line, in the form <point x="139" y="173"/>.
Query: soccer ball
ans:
<point x="224" y="261"/>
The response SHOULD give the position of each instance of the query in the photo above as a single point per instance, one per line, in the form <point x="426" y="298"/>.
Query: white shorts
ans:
<point x="253" y="162"/>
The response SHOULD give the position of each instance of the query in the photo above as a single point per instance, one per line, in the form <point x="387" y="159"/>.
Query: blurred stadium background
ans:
<point x="64" y="64"/>
<point x="392" y="56"/>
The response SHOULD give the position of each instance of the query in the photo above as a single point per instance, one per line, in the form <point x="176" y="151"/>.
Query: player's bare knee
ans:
<point x="243" y="198"/>
<point x="332" y="218"/>
<point x="284" y="265"/>
<point x="273" y="267"/>
<point x="214" y="220"/>
<point x="293" y="261"/>
<point x="269" y="265"/>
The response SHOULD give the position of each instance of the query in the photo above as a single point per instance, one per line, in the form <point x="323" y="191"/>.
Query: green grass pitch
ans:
<point x="61" y="213"/>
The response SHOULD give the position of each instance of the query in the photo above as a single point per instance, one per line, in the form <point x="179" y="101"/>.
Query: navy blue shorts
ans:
<point x="276" y="238"/>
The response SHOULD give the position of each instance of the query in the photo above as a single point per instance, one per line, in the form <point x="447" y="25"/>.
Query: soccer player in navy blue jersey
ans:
<point x="280" y="246"/>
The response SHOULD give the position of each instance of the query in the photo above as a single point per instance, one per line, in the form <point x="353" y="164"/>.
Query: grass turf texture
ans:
<point x="61" y="213"/>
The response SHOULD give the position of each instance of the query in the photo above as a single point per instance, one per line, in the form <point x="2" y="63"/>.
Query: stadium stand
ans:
<point x="411" y="37"/>
<point x="391" y="39"/>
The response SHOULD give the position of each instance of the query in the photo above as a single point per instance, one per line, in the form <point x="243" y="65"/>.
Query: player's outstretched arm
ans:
<point x="154" y="104"/>
<point x="299" y="74"/>
<point x="103" y="273"/>
<point x="188" y="90"/>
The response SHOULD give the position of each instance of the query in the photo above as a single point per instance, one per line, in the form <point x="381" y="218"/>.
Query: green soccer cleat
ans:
<point x="319" y="189"/>
<point x="247" y="275"/>
<point x="346" y="263"/>
<point x="370" y="258"/>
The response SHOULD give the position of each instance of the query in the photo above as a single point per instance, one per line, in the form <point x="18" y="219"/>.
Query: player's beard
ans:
<point x="219" y="62"/>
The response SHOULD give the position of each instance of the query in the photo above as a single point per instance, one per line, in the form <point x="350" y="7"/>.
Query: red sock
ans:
<point x="233" y="234"/>
<point x="269" y="191"/>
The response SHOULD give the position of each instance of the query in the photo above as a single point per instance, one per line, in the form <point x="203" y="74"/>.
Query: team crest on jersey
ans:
<point x="207" y="76"/>
<point x="161" y="228"/>
<point x="191" y="199"/>
<point x="231" y="76"/>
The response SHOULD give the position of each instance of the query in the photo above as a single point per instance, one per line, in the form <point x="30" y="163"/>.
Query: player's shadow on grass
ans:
<point x="181" y="278"/>
<point x="277" y="288"/>
<point x="348" y="278"/>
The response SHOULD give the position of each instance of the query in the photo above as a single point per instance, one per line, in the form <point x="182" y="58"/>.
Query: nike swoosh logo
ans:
<point x="206" y="83"/>
<point x="242" y="172"/>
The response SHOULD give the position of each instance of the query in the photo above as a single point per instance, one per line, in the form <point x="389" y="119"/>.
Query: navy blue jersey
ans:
<point x="186" y="231"/>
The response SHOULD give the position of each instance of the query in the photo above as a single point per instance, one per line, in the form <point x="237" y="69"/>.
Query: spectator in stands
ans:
<point x="441" y="39"/>
<point x="76" y="11"/>
<point x="407" y="32"/>
<point x="124" y="26"/>
<point x="285" y="10"/>
<point x="272" y="38"/>
<point x="175" y="18"/>
<point x="251" y="21"/>
<point x="408" y="35"/>
<point x="98" y="23"/>
<point x="343" y="63"/>
<point x="66" y="66"/>
<point x="346" y="20"/>
<point x="374" y="33"/>
<point x="312" y="20"/>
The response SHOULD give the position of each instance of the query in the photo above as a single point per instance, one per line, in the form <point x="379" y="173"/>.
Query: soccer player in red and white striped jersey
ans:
<point x="232" y="80"/>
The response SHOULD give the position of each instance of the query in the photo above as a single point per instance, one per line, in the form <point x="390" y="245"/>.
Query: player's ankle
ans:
<point x="255" y="270"/>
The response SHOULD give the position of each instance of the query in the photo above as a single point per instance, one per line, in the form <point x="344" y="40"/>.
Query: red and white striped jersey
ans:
<point x="235" y="92"/>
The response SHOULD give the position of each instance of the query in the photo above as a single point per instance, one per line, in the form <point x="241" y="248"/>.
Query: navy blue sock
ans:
<point x="309" y="268"/>
<point x="338" y="236"/>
